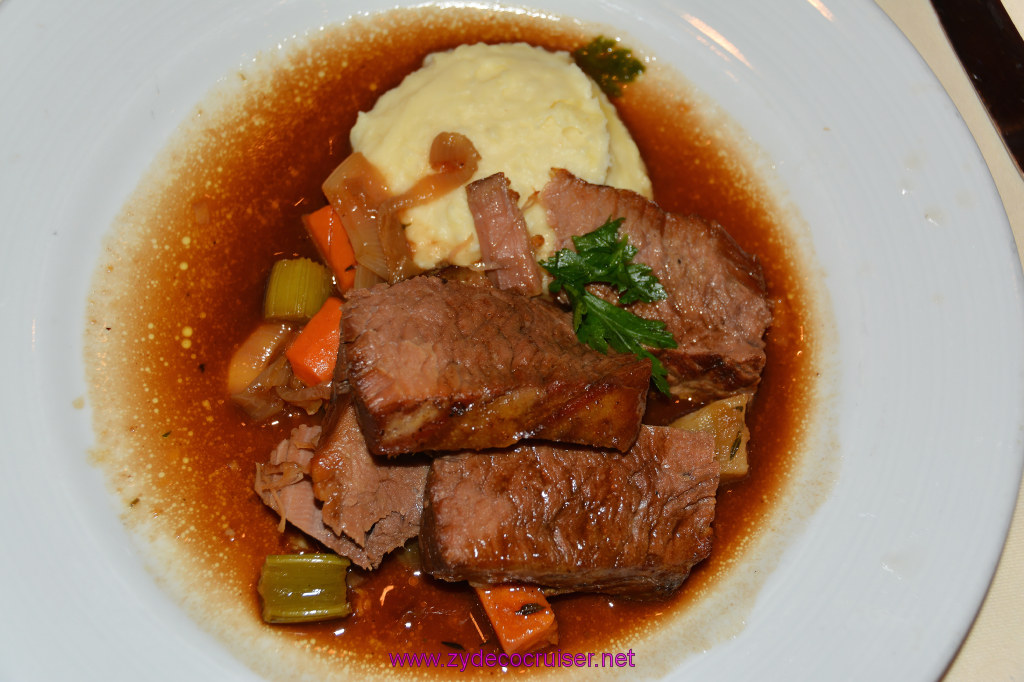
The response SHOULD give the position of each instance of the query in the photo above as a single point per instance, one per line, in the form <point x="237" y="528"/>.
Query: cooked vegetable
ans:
<point x="325" y="228"/>
<point x="314" y="351"/>
<point x="296" y="289"/>
<point x="610" y="66"/>
<point x="521" y="616"/>
<point x="356" y="189"/>
<point x="602" y="256"/>
<point x="454" y="160"/>
<point x="365" y="277"/>
<point x="301" y="588"/>
<point x="257" y="351"/>
<point x="260" y="399"/>
<point x="725" y="419"/>
<point x="308" y="398"/>
<point x="372" y="216"/>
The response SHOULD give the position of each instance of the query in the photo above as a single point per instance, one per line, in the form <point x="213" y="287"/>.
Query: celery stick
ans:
<point x="296" y="289"/>
<point x="301" y="588"/>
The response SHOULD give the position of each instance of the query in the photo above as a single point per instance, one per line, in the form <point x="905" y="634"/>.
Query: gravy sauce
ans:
<point x="181" y="286"/>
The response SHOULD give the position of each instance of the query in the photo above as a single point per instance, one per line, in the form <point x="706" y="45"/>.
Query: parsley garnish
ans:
<point x="611" y="66"/>
<point x="602" y="256"/>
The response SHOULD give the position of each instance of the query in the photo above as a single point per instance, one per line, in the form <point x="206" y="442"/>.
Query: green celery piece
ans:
<point x="303" y="588"/>
<point x="296" y="289"/>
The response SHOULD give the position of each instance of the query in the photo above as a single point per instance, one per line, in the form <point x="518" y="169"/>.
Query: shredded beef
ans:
<point x="370" y="506"/>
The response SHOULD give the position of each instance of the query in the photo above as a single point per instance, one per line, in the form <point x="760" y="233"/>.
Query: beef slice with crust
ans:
<point x="437" y="365"/>
<point x="574" y="519"/>
<point x="717" y="306"/>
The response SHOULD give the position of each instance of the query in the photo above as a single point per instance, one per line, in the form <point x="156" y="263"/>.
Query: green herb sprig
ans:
<point x="603" y="256"/>
<point x="609" y="65"/>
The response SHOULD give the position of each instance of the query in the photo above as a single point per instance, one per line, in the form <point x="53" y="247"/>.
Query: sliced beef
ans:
<point x="504" y="239"/>
<point x="717" y="307"/>
<point x="375" y="502"/>
<point x="574" y="519"/>
<point x="370" y="507"/>
<point x="283" y="484"/>
<point x="440" y="365"/>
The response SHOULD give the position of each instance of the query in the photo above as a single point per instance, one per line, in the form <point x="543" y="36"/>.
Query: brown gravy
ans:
<point x="173" y="300"/>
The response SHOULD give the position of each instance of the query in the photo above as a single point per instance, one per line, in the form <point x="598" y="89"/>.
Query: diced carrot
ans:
<point x="325" y="227"/>
<point x="520" y="615"/>
<point x="314" y="351"/>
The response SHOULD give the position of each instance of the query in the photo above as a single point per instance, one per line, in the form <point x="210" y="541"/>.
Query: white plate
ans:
<point x="919" y="262"/>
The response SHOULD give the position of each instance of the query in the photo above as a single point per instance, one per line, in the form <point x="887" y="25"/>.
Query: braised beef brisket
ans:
<point x="717" y="306"/>
<point x="370" y="506"/>
<point x="574" y="519"/>
<point x="504" y="240"/>
<point x="283" y="483"/>
<point x="375" y="502"/>
<point x="439" y="365"/>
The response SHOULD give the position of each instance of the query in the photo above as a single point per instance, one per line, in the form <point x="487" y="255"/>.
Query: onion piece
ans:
<point x="260" y="399"/>
<point x="356" y="190"/>
<point x="372" y="217"/>
<point x="249" y="360"/>
<point x="258" y="407"/>
<point x="397" y="252"/>
<point x="455" y="160"/>
<point x="365" y="277"/>
<point x="309" y="398"/>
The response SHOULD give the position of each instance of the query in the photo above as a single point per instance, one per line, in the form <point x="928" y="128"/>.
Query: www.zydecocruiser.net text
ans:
<point x="463" y="660"/>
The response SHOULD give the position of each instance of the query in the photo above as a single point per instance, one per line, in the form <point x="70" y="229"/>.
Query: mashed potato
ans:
<point x="525" y="109"/>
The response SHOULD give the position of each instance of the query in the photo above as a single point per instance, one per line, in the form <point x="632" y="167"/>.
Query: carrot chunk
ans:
<point x="521" y="616"/>
<point x="331" y="240"/>
<point x="314" y="352"/>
